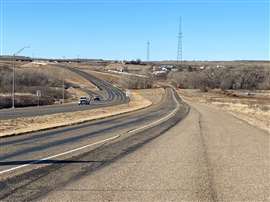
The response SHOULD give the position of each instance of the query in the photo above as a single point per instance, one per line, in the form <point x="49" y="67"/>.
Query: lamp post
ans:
<point x="63" y="91"/>
<point x="13" y="77"/>
<point x="63" y="85"/>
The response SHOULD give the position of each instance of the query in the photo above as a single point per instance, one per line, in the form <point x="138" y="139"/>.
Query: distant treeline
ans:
<point x="223" y="78"/>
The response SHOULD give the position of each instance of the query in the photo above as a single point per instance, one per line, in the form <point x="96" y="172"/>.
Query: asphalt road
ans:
<point x="209" y="156"/>
<point x="33" y="165"/>
<point x="110" y="94"/>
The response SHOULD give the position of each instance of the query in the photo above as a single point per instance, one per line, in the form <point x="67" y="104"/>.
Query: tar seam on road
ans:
<point x="210" y="177"/>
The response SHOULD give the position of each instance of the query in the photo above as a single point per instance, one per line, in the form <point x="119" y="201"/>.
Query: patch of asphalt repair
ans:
<point x="35" y="184"/>
<point x="210" y="177"/>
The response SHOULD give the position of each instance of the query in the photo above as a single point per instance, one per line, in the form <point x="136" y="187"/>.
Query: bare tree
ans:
<point x="135" y="82"/>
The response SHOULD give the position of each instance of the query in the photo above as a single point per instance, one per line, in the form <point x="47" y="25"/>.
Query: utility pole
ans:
<point x="13" y="75"/>
<point x="148" y="51"/>
<point x="180" y="44"/>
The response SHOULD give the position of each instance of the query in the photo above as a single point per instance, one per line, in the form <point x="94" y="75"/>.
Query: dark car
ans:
<point x="97" y="98"/>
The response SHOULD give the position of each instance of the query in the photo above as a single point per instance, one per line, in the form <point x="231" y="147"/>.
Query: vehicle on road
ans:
<point x="97" y="98"/>
<point x="84" y="101"/>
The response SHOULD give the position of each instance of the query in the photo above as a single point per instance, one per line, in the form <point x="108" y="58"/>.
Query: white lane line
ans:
<point x="160" y="120"/>
<point x="58" y="155"/>
<point x="96" y="143"/>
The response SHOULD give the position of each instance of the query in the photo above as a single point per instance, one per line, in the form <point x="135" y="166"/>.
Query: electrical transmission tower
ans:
<point x="180" y="44"/>
<point x="148" y="51"/>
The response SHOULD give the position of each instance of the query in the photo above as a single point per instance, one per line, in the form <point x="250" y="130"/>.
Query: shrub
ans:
<point x="29" y="82"/>
<point x="135" y="82"/>
<point x="224" y="78"/>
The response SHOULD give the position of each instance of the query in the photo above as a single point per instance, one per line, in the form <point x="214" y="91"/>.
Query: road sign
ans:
<point x="38" y="93"/>
<point x="128" y="93"/>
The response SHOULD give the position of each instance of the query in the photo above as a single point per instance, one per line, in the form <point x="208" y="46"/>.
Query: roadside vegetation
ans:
<point x="135" y="82"/>
<point x="124" y="81"/>
<point x="138" y="100"/>
<point x="253" y="108"/>
<point x="222" y="78"/>
<point x="27" y="83"/>
<point x="241" y="88"/>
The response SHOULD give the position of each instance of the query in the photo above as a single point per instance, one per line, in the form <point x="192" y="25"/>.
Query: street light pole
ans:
<point x="13" y="77"/>
<point x="63" y="90"/>
<point x="13" y="83"/>
<point x="63" y="85"/>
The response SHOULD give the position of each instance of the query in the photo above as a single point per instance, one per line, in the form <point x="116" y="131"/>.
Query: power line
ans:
<point x="180" y="44"/>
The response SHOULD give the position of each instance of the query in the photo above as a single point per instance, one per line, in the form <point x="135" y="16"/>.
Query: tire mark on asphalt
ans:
<point x="37" y="183"/>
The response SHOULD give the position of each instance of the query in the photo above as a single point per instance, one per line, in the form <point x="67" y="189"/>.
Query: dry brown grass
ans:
<point x="7" y="62"/>
<point x="24" y="125"/>
<point x="255" y="110"/>
<point x="128" y="67"/>
<point x="112" y="78"/>
<point x="76" y="93"/>
<point x="154" y="95"/>
<point x="49" y="81"/>
<point x="60" y="73"/>
<point x="77" y="82"/>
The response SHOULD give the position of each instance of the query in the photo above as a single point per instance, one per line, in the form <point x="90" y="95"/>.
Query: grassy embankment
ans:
<point x="46" y="78"/>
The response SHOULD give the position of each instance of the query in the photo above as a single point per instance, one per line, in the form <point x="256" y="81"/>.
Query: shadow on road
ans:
<point x="8" y="163"/>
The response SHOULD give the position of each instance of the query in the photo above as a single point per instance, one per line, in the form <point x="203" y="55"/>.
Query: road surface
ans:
<point x="110" y="94"/>
<point x="32" y="165"/>
<point x="209" y="156"/>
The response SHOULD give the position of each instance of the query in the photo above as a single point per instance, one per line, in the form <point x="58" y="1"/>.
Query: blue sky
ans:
<point x="212" y="30"/>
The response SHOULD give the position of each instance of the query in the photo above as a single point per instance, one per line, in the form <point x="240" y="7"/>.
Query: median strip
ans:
<point x="20" y="126"/>
<point x="144" y="127"/>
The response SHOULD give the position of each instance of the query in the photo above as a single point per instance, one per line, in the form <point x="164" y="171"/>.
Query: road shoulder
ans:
<point x="209" y="156"/>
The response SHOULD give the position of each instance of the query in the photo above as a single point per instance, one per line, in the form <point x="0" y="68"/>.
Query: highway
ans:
<point x="55" y="157"/>
<point x="171" y="151"/>
<point x="210" y="156"/>
<point x="110" y="95"/>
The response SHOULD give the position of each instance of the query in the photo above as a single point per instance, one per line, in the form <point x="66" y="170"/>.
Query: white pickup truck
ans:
<point x="84" y="101"/>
